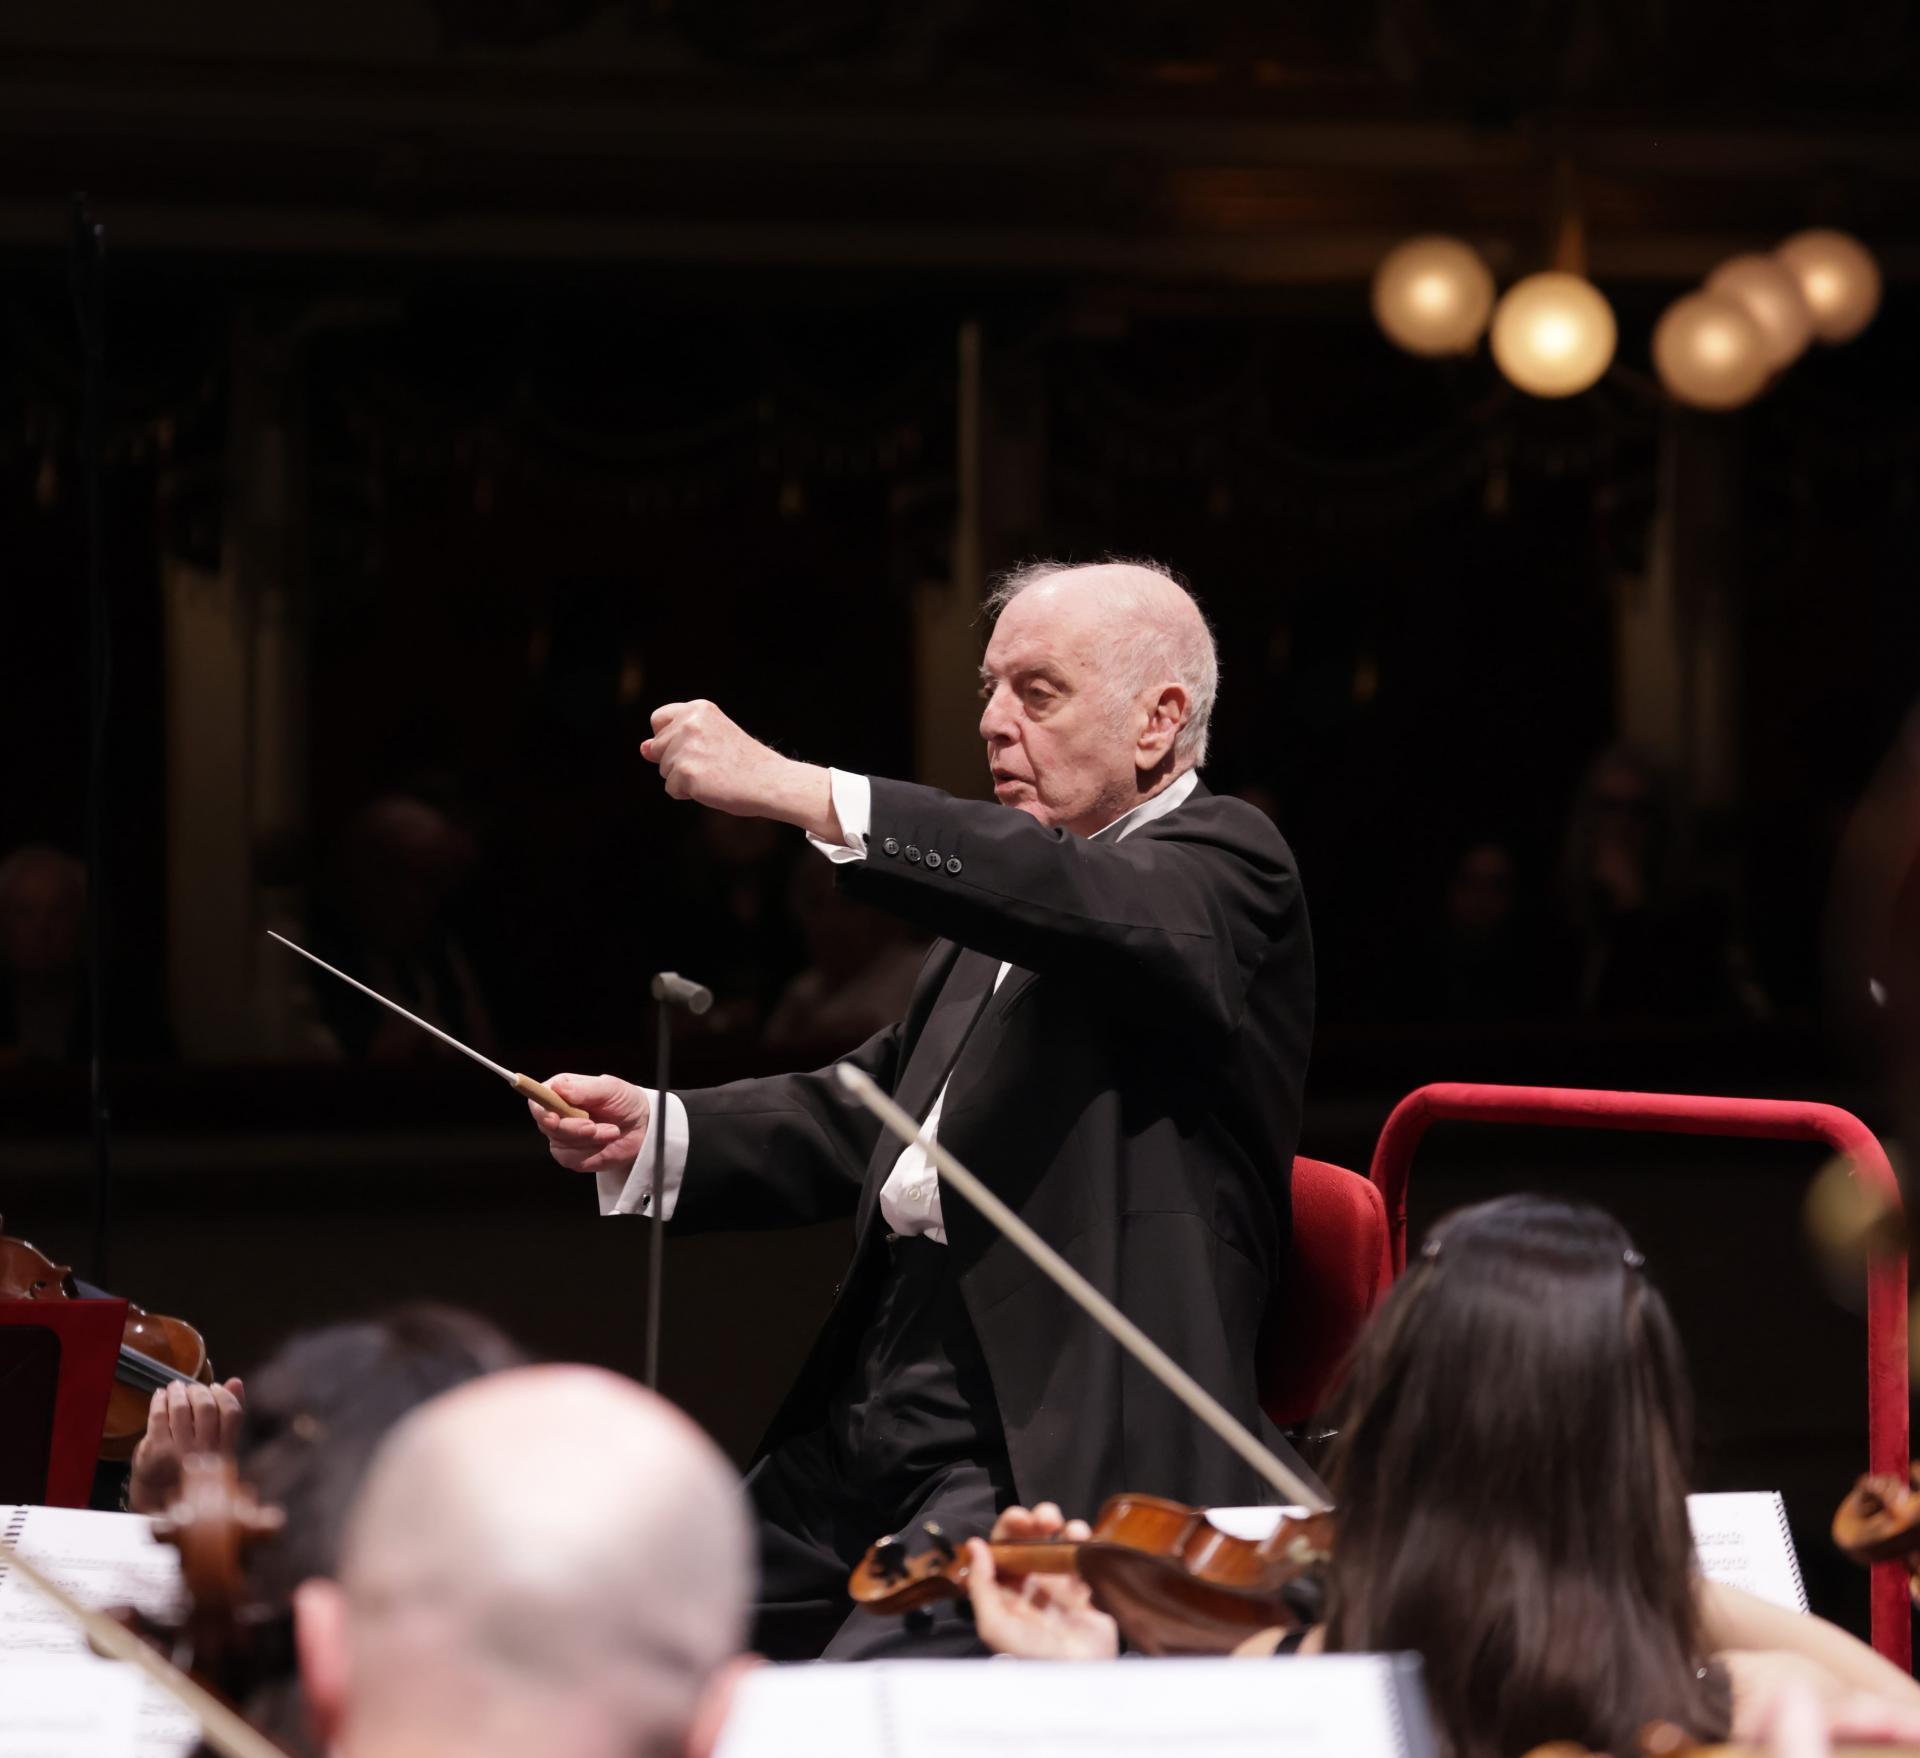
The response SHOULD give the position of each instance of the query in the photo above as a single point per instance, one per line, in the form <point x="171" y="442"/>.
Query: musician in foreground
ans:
<point x="549" y="1560"/>
<point x="1511" y="1481"/>
<point x="1113" y="1027"/>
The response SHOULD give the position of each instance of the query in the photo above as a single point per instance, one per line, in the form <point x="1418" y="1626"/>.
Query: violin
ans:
<point x="1173" y="1582"/>
<point x="198" y="1661"/>
<point x="155" y="1350"/>
<point x="1879" y="1522"/>
<point x="229" y="1637"/>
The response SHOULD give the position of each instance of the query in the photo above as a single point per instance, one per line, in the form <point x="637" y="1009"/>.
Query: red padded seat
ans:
<point x="1338" y="1269"/>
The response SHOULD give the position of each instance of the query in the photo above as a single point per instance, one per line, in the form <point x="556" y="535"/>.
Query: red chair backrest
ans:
<point x="1338" y="1269"/>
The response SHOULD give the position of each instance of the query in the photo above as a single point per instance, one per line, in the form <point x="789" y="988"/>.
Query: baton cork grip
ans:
<point x="545" y="1095"/>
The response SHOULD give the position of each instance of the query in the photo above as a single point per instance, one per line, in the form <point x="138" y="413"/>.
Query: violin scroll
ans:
<point x="1879" y="1521"/>
<point x="213" y="1521"/>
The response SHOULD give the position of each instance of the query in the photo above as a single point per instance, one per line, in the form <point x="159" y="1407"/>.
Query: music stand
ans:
<point x="56" y="1371"/>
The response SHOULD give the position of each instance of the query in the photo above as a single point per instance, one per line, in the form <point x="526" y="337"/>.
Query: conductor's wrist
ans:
<point x="806" y="800"/>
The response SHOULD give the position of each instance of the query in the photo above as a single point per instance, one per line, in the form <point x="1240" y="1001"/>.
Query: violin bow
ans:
<point x="228" y="1732"/>
<point x="1122" y="1329"/>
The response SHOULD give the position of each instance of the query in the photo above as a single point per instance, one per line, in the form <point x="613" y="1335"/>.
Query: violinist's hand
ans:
<point x="1018" y="1525"/>
<point x="703" y="756"/>
<point x="1046" y="1617"/>
<point x="183" y="1418"/>
<point x="1798" y="1724"/>
<point x="608" y="1138"/>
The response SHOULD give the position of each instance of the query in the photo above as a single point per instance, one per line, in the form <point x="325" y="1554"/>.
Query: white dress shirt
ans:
<point x="910" y="1198"/>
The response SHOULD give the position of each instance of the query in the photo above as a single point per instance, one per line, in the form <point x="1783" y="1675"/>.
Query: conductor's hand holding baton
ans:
<point x="608" y="1138"/>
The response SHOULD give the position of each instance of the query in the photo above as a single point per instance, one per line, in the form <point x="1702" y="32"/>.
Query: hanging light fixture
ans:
<point x="1554" y="332"/>
<point x="1772" y="298"/>
<point x="1709" y="352"/>
<point x="1838" y="278"/>
<point x="1432" y="296"/>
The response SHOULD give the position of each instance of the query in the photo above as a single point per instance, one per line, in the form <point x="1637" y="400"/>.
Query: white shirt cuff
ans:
<point x="631" y="1193"/>
<point x="853" y="806"/>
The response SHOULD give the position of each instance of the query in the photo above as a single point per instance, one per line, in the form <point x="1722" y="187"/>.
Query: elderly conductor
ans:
<point x="1112" y="1029"/>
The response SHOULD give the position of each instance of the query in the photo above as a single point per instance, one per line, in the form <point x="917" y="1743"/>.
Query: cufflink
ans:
<point x="953" y="866"/>
<point x="933" y="860"/>
<point x="913" y="854"/>
<point x="891" y="846"/>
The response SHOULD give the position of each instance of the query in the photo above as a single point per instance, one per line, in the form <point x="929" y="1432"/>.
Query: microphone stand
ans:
<point x="670" y="990"/>
<point x="86" y="277"/>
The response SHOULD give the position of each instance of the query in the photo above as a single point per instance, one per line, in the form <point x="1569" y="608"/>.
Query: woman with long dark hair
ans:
<point x="1510" y="1480"/>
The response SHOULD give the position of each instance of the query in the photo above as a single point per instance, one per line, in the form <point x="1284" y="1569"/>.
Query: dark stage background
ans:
<point x="480" y="376"/>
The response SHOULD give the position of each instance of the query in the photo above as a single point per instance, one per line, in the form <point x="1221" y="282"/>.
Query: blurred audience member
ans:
<point x="1479" y="957"/>
<point x="555" y="1562"/>
<point x="383" y="919"/>
<point x="302" y="1430"/>
<point x="860" y="970"/>
<point x="43" y="967"/>
<point x="1641" y="941"/>
<point x="731" y="922"/>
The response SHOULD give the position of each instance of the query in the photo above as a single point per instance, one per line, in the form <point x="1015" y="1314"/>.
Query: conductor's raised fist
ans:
<point x="703" y="756"/>
<point x="608" y="1138"/>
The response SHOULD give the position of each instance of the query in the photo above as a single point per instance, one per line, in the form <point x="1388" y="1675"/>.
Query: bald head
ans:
<point x="549" y="1555"/>
<point x="1145" y="621"/>
<point x="1100" y="682"/>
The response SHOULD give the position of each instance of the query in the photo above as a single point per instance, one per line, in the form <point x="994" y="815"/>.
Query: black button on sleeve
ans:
<point x="913" y="854"/>
<point x="891" y="846"/>
<point x="953" y="866"/>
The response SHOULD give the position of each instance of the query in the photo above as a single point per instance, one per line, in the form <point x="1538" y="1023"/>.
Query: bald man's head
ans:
<point x="548" y="1555"/>
<point x="1099" y="683"/>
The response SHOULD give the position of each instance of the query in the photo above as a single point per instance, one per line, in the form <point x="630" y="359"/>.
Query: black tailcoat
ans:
<point x="1132" y="1090"/>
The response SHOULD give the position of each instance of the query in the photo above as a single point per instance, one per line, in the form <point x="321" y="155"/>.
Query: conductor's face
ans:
<point x="1060" y="747"/>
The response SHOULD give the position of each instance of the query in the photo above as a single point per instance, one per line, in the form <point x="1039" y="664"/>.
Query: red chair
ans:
<point x="1684" y="1114"/>
<point x="1339" y="1266"/>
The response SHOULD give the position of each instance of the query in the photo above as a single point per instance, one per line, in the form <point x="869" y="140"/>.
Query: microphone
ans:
<point x="679" y="991"/>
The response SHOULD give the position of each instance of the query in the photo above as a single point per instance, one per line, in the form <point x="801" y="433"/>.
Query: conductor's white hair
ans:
<point x="1149" y="645"/>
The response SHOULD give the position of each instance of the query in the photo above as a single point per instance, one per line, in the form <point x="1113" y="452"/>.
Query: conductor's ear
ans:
<point x="1166" y="715"/>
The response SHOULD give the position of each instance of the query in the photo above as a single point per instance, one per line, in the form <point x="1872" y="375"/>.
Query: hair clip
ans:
<point x="1632" y="1259"/>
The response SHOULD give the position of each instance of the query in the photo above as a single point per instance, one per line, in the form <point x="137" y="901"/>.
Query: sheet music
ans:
<point x="1333" y="1706"/>
<point x="103" y="1560"/>
<point x="67" y="1709"/>
<point x="1742" y="1540"/>
<point x="829" y="1709"/>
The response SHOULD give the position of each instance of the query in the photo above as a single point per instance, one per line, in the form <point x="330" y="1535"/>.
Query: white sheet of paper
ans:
<point x="67" y="1709"/>
<point x="827" y="1710"/>
<point x="103" y="1560"/>
<point x="1742" y="1540"/>
<point x="1252" y="1524"/>
<point x="1332" y="1706"/>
